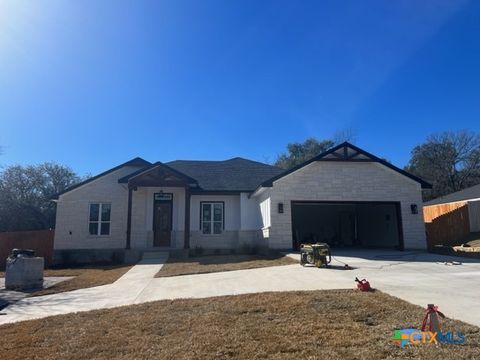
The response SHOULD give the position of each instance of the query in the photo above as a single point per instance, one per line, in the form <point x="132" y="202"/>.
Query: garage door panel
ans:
<point x="358" y="224"/>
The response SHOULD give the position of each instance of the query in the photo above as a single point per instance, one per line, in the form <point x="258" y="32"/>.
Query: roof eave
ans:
<point x="96" y="177"/>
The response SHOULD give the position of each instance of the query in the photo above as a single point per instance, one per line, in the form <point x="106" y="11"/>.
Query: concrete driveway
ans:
<point x="420" y="278"/>
<point x="417" y="277"/>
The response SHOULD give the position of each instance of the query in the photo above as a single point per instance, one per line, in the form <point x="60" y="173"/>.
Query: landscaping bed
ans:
<point x="330" y="324"/>
<point x="84" y="277"/>
<point x="218" y="263"/>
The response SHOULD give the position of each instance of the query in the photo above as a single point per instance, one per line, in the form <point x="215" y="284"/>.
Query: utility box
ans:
<point x="24" y="271"/>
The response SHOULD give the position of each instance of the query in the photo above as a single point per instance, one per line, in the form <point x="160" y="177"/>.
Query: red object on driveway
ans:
<point x="363" y="285"/>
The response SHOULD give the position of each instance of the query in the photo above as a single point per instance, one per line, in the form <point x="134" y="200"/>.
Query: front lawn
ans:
<point x="331" y="324"/>
<point x="218" y="263"/>
<point x="84" y="277"/>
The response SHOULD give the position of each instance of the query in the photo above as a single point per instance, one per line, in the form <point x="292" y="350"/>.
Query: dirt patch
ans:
<point x="468" y="247"/>
<point x="218" y="263"/>
<point x="470" y="244"/>
<point x="333" y="324"/>
<point x="84" y="277"/>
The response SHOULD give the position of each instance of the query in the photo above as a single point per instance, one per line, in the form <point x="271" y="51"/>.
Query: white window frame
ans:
<point x="212" y="221"/>
<point x="99" y="221"/>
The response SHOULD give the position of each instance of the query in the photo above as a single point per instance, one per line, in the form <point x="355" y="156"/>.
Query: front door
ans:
<point x="162" y="222"/>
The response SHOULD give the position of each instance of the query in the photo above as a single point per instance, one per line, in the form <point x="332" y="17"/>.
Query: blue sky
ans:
<point x="91" y="84"/>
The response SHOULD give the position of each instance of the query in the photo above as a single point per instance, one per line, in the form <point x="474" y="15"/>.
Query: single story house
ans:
<point x="344" y="196"/>
<point x="469" y="198"/>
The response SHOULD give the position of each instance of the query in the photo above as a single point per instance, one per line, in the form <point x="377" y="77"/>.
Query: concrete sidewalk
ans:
<point x="8" y="297"/>
<point x="124" y="291"/>
<point x="417" y="277"/>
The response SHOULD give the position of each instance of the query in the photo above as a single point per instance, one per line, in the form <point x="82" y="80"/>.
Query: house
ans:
<point x="344" y="196"/>
<point x="468" y="198"/>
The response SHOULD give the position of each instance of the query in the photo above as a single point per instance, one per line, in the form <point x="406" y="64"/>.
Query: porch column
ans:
<point x="186" y="244"/>
<point x="129" y="218"/>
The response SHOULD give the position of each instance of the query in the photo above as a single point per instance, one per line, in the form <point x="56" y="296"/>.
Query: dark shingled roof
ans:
<point x="235" y="174"/>
<point x="465" y="194"/>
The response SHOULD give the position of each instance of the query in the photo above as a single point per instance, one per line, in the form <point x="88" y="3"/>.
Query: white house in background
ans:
<point x="344" y="196"/>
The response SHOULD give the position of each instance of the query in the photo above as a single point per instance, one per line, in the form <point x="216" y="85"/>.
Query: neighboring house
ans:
<point x="345" y="196"/>
<point x="469" y="197"/>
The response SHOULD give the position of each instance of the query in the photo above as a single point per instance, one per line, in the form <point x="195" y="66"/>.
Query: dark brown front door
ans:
<point x="162" y="223"/>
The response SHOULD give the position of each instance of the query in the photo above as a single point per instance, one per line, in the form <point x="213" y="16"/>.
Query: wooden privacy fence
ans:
<point x="448" y="228"/>
<point x="433" y="211"/>
<point x="39" y="240"/>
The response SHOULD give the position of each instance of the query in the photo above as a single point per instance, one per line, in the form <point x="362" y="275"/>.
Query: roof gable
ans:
<point x="351" y="153"/>
<point x="157" y="174"/>
<point x="133" y="162"/>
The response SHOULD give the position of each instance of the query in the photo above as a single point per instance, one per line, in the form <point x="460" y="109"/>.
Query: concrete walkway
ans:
<point x="124" y="291"/>
<point x="417" y="277"/>
<point x="8" y="297"/>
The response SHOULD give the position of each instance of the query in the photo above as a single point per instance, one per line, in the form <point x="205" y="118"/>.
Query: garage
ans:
<point x="346" y="197"/>
<point x="347" y="224"/>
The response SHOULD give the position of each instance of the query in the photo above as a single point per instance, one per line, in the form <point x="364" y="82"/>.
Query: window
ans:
<point x="211" y="217"/>
<point x="99" y="220"/>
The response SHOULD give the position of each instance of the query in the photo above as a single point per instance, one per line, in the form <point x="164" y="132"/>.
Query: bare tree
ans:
<point x="347" y="134"/>
<point x="450" y="161"/>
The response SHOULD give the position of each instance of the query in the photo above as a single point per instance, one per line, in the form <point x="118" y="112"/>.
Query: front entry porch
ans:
<point x="158" y="209"/>
<point x="158" y="218"/>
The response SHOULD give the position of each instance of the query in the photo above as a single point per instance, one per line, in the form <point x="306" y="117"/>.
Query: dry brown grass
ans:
<point x="84" y="277"/>
<point x="334" y="324"/>
<point x="218" y="263"/>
